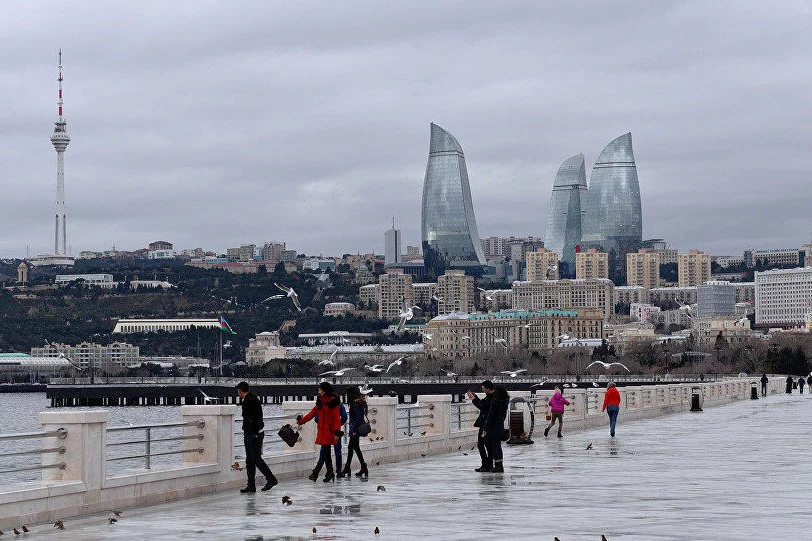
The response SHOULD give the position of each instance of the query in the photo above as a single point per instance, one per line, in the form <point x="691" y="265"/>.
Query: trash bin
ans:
<point x="696" y="399"/>
<point x="754" y="391"/>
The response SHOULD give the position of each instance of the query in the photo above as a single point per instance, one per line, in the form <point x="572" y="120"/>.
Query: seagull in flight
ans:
<point x="436" y="298"/>
<point x="292" y="294"/>
<point x="227" y="344"/>
<point x="427" y="336"/>
<point x="365" y="390"/>
<point x="488" y="293"/>
<point x="377" y="368"/>
<point x="329" y="362"/>
<point x="397" y="362"/>
<point x="540" y="383"/>
<point x="514" y="373"/>
<point x="607" y="366"/>
<point x="529" y="325"/>
<point x="449" y="373"/>
<point x="406" y="313"/>
<point x="497" y="340"/>
<point x="208" y="399"/>
<point x="465" y="337"/>
<point x="336" y="373"/>
<point x="272" y="297"/>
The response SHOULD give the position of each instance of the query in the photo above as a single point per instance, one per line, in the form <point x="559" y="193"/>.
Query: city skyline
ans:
<point x="238" y="129"/>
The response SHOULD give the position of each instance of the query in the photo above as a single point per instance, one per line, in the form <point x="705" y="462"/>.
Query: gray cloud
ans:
<point x="216" y="123"/>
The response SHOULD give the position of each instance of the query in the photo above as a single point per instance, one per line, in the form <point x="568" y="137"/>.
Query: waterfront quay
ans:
<point x="737" y="471"/>
<point x="72" y="392"/>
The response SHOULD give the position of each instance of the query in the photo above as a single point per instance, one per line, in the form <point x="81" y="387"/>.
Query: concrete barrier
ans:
<point x="83" y="487"/>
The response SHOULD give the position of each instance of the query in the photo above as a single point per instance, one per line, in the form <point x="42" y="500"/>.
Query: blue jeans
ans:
<point x="612" y="411"/>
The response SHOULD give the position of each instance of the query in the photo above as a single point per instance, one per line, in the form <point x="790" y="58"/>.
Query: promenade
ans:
<point x="737" y="471"/>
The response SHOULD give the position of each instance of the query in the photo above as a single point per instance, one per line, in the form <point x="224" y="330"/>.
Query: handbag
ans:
<point x="365" y="428"/>
<point x="288" y="435"/>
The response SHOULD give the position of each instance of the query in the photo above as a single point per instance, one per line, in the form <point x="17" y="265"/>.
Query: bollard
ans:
<point x="754" y="391"/>
<point x="696" y="399"/>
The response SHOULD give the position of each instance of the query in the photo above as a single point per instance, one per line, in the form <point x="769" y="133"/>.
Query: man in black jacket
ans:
<point x="253" y="434"/>
<point x="484" y="406"/>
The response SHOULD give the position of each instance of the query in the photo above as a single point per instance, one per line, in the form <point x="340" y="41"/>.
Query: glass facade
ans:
<point x="449" y="232"/>
<point x="564" y="213"/>
<point x="613" y="222"/>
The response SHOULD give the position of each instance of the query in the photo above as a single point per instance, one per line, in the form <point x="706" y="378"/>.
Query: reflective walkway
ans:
<point x="741" y="471"/>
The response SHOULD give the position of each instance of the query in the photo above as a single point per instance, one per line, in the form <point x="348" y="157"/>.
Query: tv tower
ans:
<point x="60" y="140"/>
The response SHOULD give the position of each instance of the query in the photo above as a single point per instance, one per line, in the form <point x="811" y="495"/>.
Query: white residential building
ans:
<point x="783" y="297"/>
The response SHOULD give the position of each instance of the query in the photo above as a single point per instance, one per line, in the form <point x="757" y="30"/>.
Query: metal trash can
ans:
<point x="696" y="399"/>
<point x="754" y="391"/>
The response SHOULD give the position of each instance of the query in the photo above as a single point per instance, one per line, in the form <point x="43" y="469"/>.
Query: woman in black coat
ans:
<point x="357" y="416"/>
<point x="494" y="427"/>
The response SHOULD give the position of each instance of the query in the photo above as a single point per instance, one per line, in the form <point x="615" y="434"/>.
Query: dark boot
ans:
<point x="497" y="467"/>
<point x="248" y="489"/>
<point x="560" y="435"/>
<point x="314" y="475"/>
<point x="546" y="431"/>
<point x="330" y="476"/>
<point x="363" y="472"/>
<point x="485" y="467"/>
<point x="345" y="472"/>
<point x="270" y="482"/>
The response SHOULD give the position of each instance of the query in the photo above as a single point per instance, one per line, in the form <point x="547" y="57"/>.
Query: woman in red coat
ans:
<point x="611" y="405"/>
<point x="328" y="429"/>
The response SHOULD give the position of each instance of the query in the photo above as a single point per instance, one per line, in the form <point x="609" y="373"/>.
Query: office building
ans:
<point x="449" y="232"/>
<point x="783" y="297"/>
<point x="613" y="221"/>
<point x="564" y="213"/>
<point x="715" y="298"/>
<point x="392" y="242"/>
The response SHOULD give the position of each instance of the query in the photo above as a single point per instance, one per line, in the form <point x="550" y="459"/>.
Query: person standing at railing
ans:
<point x="764" y="380"/>
<point x="494" y="427"/>
<point x="557" y="403"/>
<point x="357" y="417"/>
<point x="328" y="429"/>
<point x="484" y="406"/>
<point x="611" y="405"/>
<point x="253" y="429"/>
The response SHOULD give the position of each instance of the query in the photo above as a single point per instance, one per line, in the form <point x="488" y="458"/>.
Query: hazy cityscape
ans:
<point x="402" y="201"/>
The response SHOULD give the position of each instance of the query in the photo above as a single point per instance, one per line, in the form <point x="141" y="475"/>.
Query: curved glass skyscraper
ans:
<point x="614" y="222"/>
<point x="450" y="236"/>
<point x="564" y="213"/>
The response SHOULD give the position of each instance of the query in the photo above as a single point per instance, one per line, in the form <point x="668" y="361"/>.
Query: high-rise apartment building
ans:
<point x="412" y="253"/>
<point x="613" y="222"/>
<point x="783" y="297"/>
<point x="272" y="251"/>
<point x="564" y="213"/>
<point x="693" y="268"/>
<point x="591" y="264"/>
<point x="392" y="246"/>
<point x="455" y="292"/>
<point x="643" y="268"/>
<point x="449" y="231"/>
<point x="541" y="265"/>
<point x="395" y="286"/>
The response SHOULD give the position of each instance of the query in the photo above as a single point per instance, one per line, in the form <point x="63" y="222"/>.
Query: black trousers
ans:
<point x="253" y="458"/>
<point x="763" y="389"/>
<point x="482" y="445"/>
<point x="354" y="447"/>
<point x="495" y="445"/>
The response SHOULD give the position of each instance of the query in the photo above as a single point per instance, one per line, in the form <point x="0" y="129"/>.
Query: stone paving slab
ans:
<point x="738" y="471"/>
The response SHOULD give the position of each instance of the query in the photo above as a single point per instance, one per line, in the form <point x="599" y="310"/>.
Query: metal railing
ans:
<point x="463" y="415"/>
<point x="59" y="433"/>
<point x="149" y="440"/>
<point x="407" y="418"/>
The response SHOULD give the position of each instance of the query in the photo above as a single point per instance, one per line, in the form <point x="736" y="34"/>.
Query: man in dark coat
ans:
<point x="494" y="427"/>
<point x="484" y="406"/>
<point x="253" y="433"/>
<point x="764" y="380"/>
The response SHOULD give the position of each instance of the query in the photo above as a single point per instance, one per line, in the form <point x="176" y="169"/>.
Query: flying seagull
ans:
<point x="607" y="366"/>
<point x="208" y="399"/>
<point x="329" y="362"/>
<point x="377" y="368"/>
<point x="436" y="298"/>
<point x="540" y="383"/>
<point x="337" y="373"/>
<point x="449" y="373"/>
<point x="427" y="336"/>
<point x="365" y="390"/>
<point x="488" y="293"/>
<point x="292" y="294"/>
<point x="398" y="362"/>
<point x="406" y="313"/>
<point x="272" y="297"/>
<point x="514" y="373"/>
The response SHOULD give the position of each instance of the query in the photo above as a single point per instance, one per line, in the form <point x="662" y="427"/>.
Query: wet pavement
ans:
<point x="738" y="471"/>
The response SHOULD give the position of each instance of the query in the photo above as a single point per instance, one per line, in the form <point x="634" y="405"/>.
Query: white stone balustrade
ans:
<point x="82" y="487"/>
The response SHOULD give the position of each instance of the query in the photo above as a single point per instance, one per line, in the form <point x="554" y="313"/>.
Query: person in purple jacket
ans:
<point x="557" y="403"/>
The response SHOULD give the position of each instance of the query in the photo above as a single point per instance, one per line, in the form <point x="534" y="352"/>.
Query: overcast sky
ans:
<point x="213" y="124"/>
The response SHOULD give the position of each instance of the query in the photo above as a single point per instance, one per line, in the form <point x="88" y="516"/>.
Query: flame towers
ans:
<point x="449" y="231"/>
<point x="564" y="214"/>
<point x="613" y="222"/>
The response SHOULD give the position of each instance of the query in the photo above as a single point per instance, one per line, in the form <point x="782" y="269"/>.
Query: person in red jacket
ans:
<point x="611" y="405"/>
<point x="328" y="429"/>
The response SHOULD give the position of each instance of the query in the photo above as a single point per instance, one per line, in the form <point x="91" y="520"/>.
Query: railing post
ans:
<point x="442" y="412"/>
<point x="383" y="420"/>
<point x="218" y="435"/>
<point x="85" y="446"/>
<point x="149" y="448"/>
